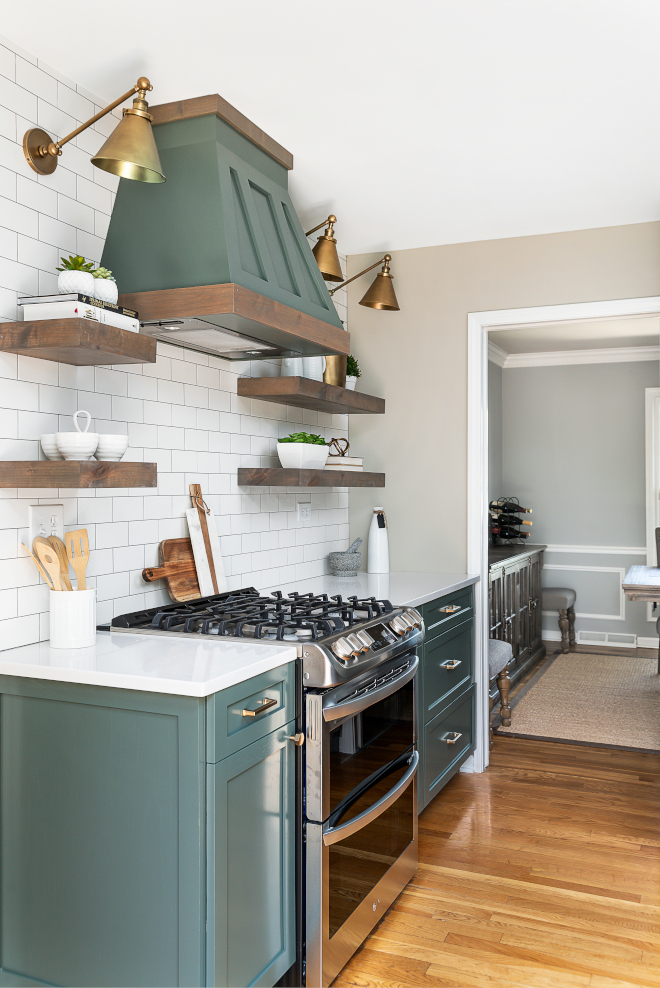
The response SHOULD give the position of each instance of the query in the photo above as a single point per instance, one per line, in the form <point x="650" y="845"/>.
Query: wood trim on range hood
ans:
<point x="243" y="311"/>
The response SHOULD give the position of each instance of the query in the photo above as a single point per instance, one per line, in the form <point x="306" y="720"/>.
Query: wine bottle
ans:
<point x="508" y="507"/>
<point x="512" y="533"/>
<point x="512" y="520"/>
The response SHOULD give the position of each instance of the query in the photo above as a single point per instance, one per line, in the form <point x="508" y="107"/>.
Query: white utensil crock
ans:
<point x="72" y="618"/>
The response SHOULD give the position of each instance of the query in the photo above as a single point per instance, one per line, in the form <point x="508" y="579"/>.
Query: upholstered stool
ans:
<point x="561" y="599"/>
<point x="499" y="655"/>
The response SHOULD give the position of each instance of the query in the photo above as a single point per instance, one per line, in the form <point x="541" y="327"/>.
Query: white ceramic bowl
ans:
<point x="49" y="446"/>
<point x="111" y="447"/>
<point x="302" y="456"/>
<point x="77" y="445"/>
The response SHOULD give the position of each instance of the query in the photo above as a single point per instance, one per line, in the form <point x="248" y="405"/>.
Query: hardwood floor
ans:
<point x="543" y="871"/>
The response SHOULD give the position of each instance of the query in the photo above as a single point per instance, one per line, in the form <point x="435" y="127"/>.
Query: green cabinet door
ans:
<point x="251" y="863"/>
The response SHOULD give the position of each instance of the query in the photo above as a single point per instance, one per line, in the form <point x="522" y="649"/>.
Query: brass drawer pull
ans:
<point x="450" y="609"/>
<point x="297" y="739"/>
<point x="454" y="739"/>
<point x="451" y="664"/>
<point x="263" y="705"/>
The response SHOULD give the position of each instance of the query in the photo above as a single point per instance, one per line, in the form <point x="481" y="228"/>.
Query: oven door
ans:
<point x="363" y="851"/>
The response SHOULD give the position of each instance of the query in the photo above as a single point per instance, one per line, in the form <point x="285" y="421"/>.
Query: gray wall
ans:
<point x="573" y="450"/>
<point x="495" y="480"/>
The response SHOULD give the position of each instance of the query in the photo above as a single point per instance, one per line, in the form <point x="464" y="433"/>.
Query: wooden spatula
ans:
<point x="60" y="549"/>
<point x="77" y="550"/>
<point x="48" y="559"/>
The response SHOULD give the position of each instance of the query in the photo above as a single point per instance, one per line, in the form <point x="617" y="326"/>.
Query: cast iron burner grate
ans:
<point x="247" y="614"/>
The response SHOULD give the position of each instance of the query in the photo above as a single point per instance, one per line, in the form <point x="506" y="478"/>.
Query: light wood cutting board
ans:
<point x="177" y="568"/>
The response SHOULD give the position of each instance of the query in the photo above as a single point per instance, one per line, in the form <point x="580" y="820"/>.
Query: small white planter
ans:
<point x="350" y="383"/>
<point x="75" y="283"/>
<point x="105" y="290"/>
<point x="302" y="456"/>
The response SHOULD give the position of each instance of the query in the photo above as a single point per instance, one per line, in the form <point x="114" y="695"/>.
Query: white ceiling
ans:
<point x="601" y="334"/>
<point x="417" y="123"/>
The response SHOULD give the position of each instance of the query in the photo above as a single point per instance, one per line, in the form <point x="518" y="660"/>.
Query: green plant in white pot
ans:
<point x="105" y="286"/>
<point x="75" y="276"/>
<point x="303" y="451"/>
<point x="352" y="372"/>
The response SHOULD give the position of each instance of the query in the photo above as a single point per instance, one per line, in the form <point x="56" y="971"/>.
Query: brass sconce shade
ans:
<point x="381" y="294"/>
<point x="325" y="251"/>
<point x="129" y="152"/>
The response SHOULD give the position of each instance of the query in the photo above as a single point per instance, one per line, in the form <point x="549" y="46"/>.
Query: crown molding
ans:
<point x="496" y="354"/>
<point x="613" y="355"/>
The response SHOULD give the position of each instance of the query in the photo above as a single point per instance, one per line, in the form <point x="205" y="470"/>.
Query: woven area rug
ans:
<point x="607" y="700"/>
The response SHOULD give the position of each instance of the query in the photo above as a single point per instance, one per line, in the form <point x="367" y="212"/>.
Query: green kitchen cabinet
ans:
<point x="126" y="856"/>
<point x="445" y="691"/>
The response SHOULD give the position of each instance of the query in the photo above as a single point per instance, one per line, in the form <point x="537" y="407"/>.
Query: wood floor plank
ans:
<point x="543" y="872"/>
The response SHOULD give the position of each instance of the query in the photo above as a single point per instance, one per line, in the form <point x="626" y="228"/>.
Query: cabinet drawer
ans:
<point x="235" y="718"/>
<point x="447" y="667"/>
<point x="447" y="612"/>
<point x="442" y="758"/>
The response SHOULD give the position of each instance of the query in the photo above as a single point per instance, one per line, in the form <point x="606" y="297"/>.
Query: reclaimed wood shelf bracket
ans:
<point x="306" y="393"/>
<point x="82" y="342"/>
<point x="76" y="473"/>
<point x="281" y="477"/>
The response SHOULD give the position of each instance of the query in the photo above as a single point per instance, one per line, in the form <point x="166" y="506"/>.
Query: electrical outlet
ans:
<point x="304" y="513"/>
<point x="45" y="520"/>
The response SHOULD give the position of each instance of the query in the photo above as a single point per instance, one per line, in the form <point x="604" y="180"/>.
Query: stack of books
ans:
<point x="80" y="306"/>
<point x="344" y="463"/>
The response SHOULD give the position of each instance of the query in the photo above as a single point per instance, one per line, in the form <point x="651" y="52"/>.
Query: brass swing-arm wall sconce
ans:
<point x="325" y="250"/>
<point x="381" y="294"/>
<point x="129" y="152"/>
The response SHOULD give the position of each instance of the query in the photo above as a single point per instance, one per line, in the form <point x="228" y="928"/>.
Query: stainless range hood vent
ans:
<point x="219" y="246"/>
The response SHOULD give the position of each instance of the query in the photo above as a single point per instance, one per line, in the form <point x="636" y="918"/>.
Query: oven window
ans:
<point x="368" y="741"/>
<point x="357" y="863"/>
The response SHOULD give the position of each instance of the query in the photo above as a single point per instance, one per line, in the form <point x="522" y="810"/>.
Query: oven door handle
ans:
<point x="346" y="708"/>
<point x="333" y="834"/>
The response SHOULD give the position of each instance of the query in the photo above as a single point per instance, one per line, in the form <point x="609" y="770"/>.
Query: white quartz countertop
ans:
<point x="155" y="663"/>
<point x="409" y="589"/>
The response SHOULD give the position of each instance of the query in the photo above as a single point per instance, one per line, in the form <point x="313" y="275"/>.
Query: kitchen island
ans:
<point x="147" y="813"/>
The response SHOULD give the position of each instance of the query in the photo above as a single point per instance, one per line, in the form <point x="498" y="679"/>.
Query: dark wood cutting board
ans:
<point x="177" y="568"/>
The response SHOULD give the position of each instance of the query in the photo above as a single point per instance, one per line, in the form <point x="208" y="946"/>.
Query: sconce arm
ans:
<point x="386" y="259"/>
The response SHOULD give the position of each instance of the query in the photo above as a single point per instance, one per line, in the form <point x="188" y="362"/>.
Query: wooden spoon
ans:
<point x="48" y="559"/>
<point x="60" y="549"/>
<point x="77" y="550"/>
<point x="38" y="565"/>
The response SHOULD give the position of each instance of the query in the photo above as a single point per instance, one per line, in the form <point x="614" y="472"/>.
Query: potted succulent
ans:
<point x="302" y="451"/>
<point x="352" y="372"/>
<point x="75" y="276"/>
<point x="105" y="286"/>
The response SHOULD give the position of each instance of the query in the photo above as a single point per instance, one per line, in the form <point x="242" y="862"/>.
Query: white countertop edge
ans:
<point x="146" y="684"/>
<point x="400" y="588"/>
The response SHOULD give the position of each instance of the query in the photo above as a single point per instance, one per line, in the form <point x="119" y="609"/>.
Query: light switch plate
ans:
<point x="304" y="512"/>
<point x="45" y="520"/>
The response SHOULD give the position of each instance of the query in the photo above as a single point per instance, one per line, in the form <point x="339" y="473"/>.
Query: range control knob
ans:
<point x="342" y="649"/>
<point x="399" y="626"/>
<point x="366" y="640"/>
<point x="407" y="620"/>
<point x="355" y="644"/>
<point x="416" y="615"/>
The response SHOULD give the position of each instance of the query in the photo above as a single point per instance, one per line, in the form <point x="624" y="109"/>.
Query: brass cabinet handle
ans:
<point x="263" y="705"/>
<point x="297" y="739"/>
<point x="450" y="609"/>
<point x="451" y="664"/>
<point x="454" y="739"/>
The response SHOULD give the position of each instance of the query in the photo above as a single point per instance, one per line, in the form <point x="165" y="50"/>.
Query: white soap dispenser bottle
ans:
<point x="378" y="553"/>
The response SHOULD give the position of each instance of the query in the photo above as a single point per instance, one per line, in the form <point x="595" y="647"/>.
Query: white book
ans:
<point x="66" y="309"/>
<point x="346" y="461"/>
<point x="347" y="467"/>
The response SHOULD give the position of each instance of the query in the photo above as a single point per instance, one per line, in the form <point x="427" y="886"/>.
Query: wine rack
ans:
<point x="505" y="527"/>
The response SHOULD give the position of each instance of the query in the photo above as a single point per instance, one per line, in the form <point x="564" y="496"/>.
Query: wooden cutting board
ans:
<point x="177" y="568"/>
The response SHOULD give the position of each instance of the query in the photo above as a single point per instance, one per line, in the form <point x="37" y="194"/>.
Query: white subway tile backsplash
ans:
<point x="35" y="196"/>
<point x="56" y="233"/>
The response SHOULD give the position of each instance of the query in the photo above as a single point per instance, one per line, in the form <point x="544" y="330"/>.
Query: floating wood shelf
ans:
<point x="82" y="342"/>
<point x="306" y="393"/>
<point x="280" y="477"/>
<point x="76" y="473"/>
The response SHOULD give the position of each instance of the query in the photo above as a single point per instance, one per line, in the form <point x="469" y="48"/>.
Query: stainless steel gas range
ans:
<point x="358" y="764"/>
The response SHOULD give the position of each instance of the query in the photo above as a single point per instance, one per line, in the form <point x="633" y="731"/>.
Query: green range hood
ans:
<point x="215" y="258"/>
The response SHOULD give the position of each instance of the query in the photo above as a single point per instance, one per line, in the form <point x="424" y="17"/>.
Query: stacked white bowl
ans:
<point x="82" y="444"/>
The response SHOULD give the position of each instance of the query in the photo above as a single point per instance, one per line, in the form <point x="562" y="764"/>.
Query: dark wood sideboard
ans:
<point x="514" y="591"/>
